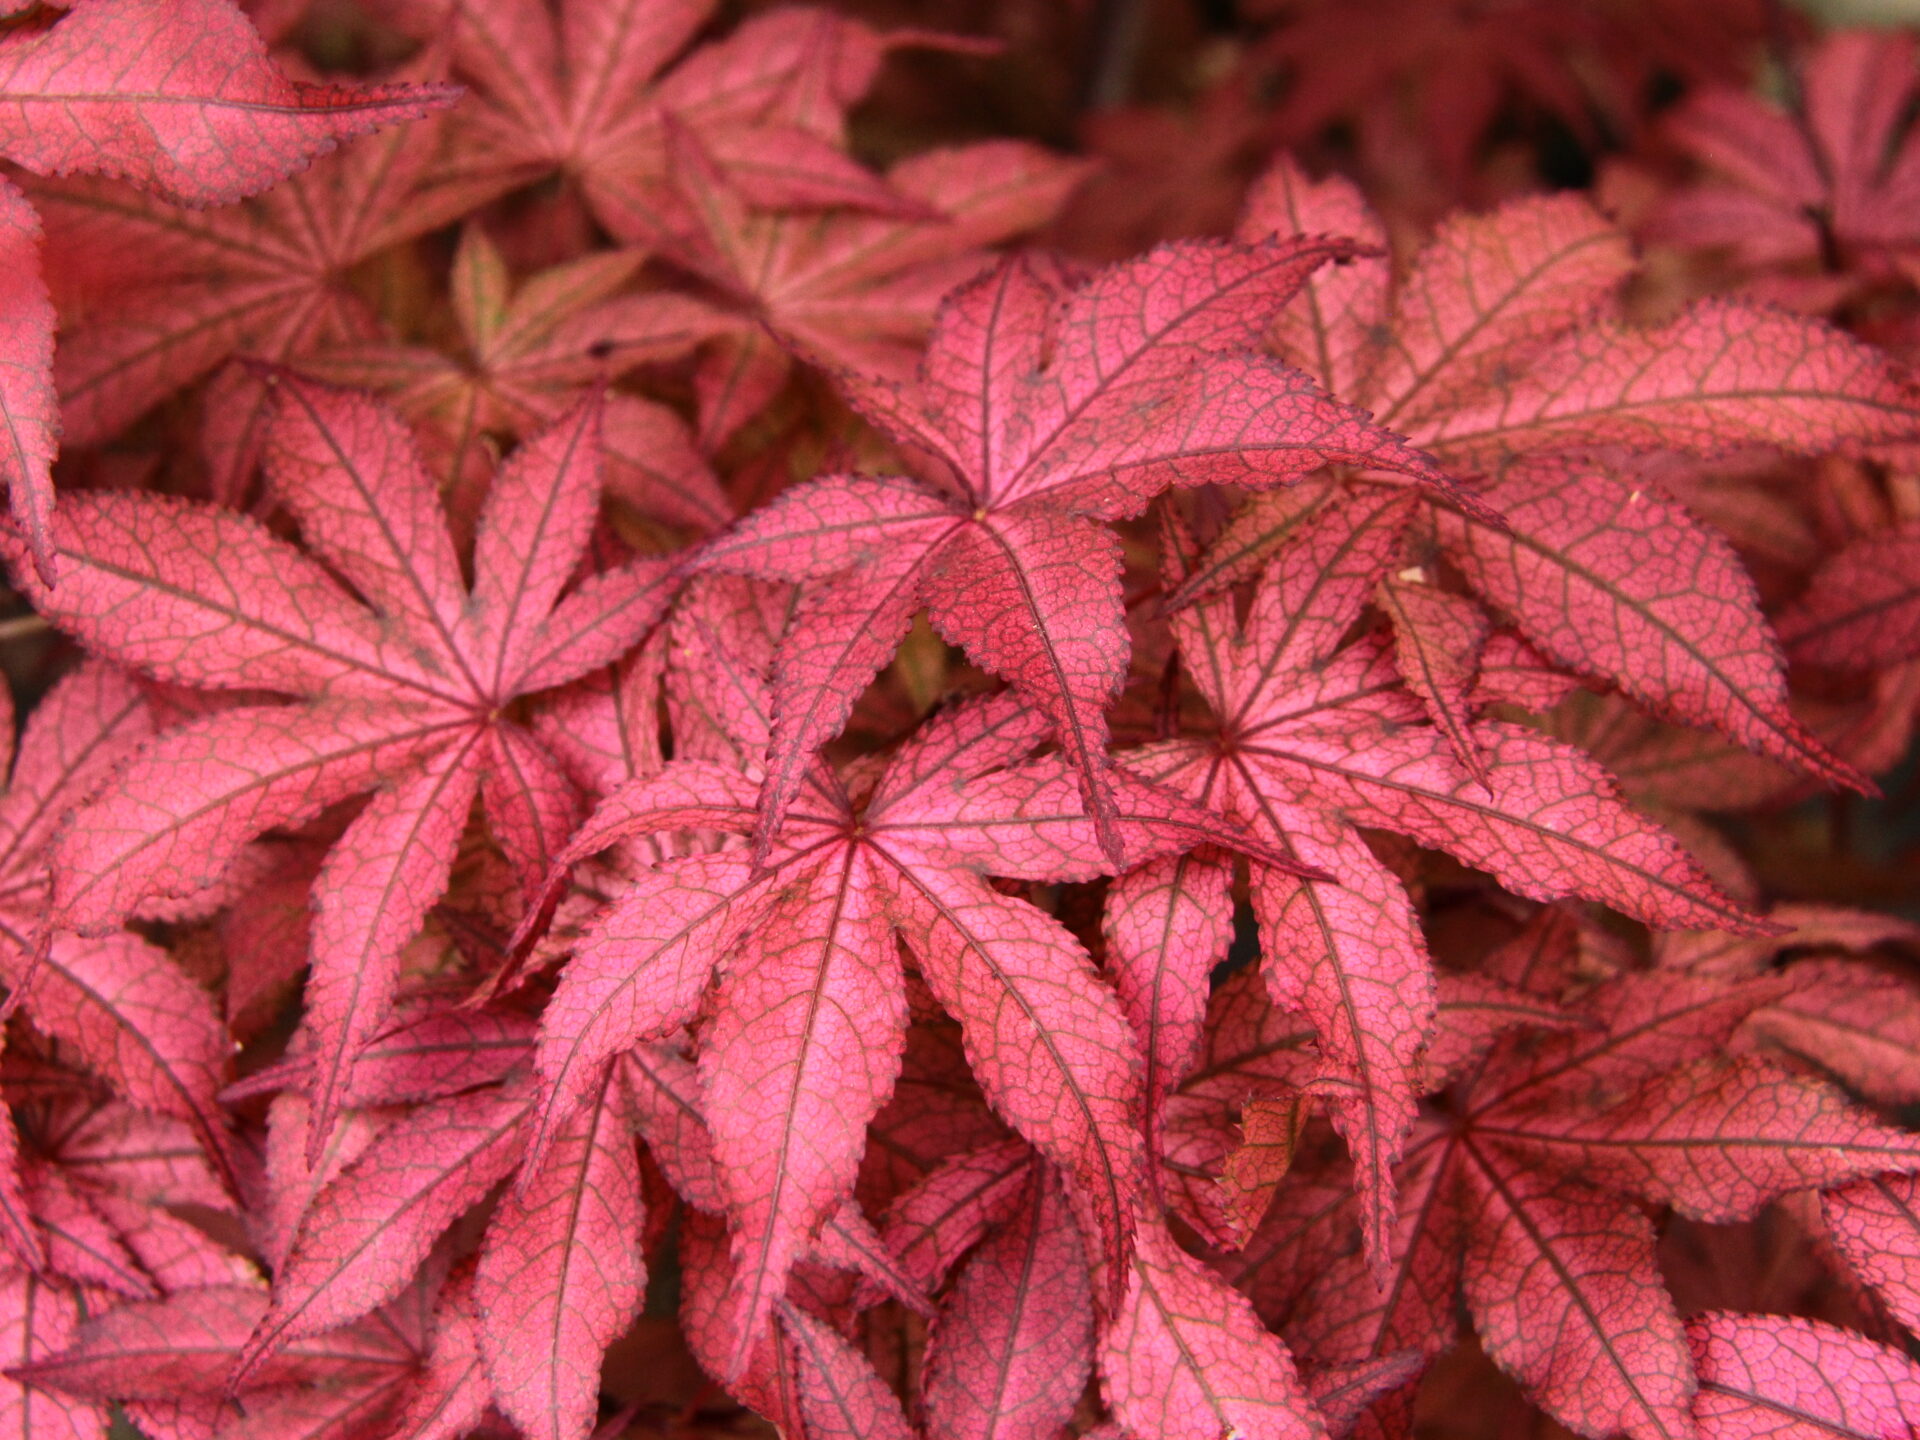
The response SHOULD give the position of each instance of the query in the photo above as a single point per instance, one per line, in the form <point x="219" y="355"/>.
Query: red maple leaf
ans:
<point x="1040" y="413"/>
<point x="1441" y="74"/>
<point x="92" y="1198"/>
<point x="849" y="289"/>
<point x="1500" y="351"/>
<point x="1861" y="610"/>
<point x="587" y="92"/>
<point x="1525" y="1192"/>
<point x="1774" y="1374"/>
<point x="803" y="1047"/>
<point x="156" y="295"/>
<point x="405" y="687"/>
<point x="356" y="1226"/>
<point x="527" y="350"/>
<point x="167" y="1362"/>
<point x="1186" y="1356"/>
<point x="129" y="1012"/>
<point x="1012" y="1345"/>
<point x="1829" y="184"/>
<point x="1313" y="739"/>
<point x="178" y="97"/>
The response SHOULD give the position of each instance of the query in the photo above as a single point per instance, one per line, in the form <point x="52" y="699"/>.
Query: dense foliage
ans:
<point x="959" y="720"/>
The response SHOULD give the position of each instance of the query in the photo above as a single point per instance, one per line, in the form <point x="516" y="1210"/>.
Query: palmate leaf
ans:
<point x="1012" y="1346"/>
<point x="1834" y="185"/>
<point x="839" y="1392"/>
<point x="38" y="1318"/>
<point x="527" y="351"/>
<point x="168" y="1364"/>
<point x="1499" y="348"/>
<point x="560" y="1272"/>
<point x="850" y="289"/>
<point x="1313" y="739"/>
<point x="369" y="1228"/>
<point x="1039" y="413"/>
<point x="186" y="1345"/>
<point x="932" y="1224"/>
<point x="805" y="1043"/>
<point x="183" y="101"/>
<point x="1863" y="607"/>
<point x="1609" y="579"/>
<point x="1875" y="1225"/>
<point x="1185" y="1356"/>
<point x="1793" y="1379"/>
<point x="403" y="687"/>
<point x="588" y="93"/>
<point x="129" y="1012"/>
<point x="159" y="294"/>
<point x="1529" y="1200"/>
<point x="180" y="99"/>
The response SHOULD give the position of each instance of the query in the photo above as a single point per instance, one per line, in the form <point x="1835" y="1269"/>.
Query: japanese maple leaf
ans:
<point x="1443" y="73"/>
<point x="1254" y="1058"/>
<point x="847" y="289"/>
<point x="155" y="294"/>
<point x="38" y="1316"/>
<point x="1039" y="413"/>
<point x="182" y="100"/>
<point x="95" y="1182"/>
<point x="124" y="1005"/>
<point x="805" y="1042"/>
<point x="1779" y="1375"/>
<point x="1830" y="183"/>
<point x="528" y="350"/>
<point x="1312" y="740"/>
<point x="560" y="1273"/>
<point x="404" y="687"/>
<point x="1501" y="344"/>
<point x="355" y="1226"/>
<point x="581" y="93"/>
<point x="1468" y="62"/>
<point x="1861" y="610"/>
<point x="1855" y="1020"/>
<point x="803" y="1375"/>
<point x="1186" y="1356"/>
<point x="96" y="1186"/>
<point x="1011" y="1348"/>
<point x="1526" y="1192"/>
<point x="172" y="1357"/>
<point x="433" y="1047"/>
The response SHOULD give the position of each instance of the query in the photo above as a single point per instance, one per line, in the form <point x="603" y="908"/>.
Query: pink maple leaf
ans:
<point x="1502" y="343"/>
<point x="528" y="348"/>
<point x="1830" y="182"/>
<point x="852" y="289"/>
<point x="182" y="100"/>
<point x="588" y="93"/>
<point x="127" y="1009"/>
<point x="804" y="1045"/>
<point x="1040" y="412"/>
<point x="1314" y="738"/>
<point x="1526" y="1195"/>
<point x="1781" y="1376"/>
<point x="404" y="687"/>
<point x="190" y="289"/>
<point x="1012" y="1346"/>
